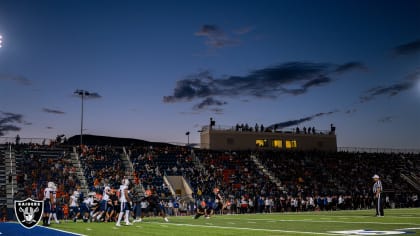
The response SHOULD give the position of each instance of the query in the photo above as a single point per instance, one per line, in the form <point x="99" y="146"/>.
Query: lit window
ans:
<point x="277" y="144"/>
<point x="291" y="144"/>
<point x="261" y="142"/>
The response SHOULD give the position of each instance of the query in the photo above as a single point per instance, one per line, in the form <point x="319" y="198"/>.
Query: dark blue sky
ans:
<point x="165" y="67"/>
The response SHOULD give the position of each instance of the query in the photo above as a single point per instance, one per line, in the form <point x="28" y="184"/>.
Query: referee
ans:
<point x="378" y="198"/>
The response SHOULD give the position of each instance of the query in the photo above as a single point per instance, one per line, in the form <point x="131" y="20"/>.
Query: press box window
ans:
<point x="261" y="142"/>
<point x="291" y="144"/>
<point x="277" y="144"/>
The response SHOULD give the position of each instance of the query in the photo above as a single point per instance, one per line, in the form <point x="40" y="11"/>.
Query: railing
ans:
<point x="4" y="140"/>
<point x="378" y="150"/>
<point x="252" y="129"/>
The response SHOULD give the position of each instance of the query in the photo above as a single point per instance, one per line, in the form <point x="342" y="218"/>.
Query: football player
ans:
<point x="124" y="199"/>
<point x="219" y="199"/>
<point x="53" y="206"/>
<point x="48" y="201"/>
<point x="153" y="204"/>
<point x="85" y="207"/>
<point x="74" y="205"/>
<point x="201" y="210"/>
<point x="104" y="202"/>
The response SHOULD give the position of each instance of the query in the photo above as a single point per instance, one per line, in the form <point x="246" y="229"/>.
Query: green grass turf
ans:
<point x="308" y="223"/>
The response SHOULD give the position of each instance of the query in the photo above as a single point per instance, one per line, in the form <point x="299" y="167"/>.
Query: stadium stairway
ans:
<point x="75" y="161"/>
<point x="129" y="171"/>
<point x="3" y="176"/>
<point x="197" y="162"/>
<point x="411" y="181"/>
<point x="10" y="185"/>
<point x="265" y="171"/>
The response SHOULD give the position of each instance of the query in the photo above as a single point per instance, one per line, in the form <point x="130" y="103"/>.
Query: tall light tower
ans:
<point x="188" y="136"/>
<point x="83" y="93"/>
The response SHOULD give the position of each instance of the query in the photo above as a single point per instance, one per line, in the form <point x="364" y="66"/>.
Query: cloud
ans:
<point x="292" y="78"/>
<point x="209" y="102"/>
<point x="391" y="90"/>
<point x="289" y="123"/>
<point x="350" y="111"/>
<point x="216" y="37"/>
<point x="407" y="48"/>
<point x="354" y="65"/>
<point x="217" y="111"/>
<point x="9" y="122"/>
<point x="244" y="30"/>
<point x="18" y="79"/>
<point x="52" y="111"/>
<point x="386" y="119"/>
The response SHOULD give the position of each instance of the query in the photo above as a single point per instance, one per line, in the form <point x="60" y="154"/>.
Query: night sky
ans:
<point x="162" y="68"/>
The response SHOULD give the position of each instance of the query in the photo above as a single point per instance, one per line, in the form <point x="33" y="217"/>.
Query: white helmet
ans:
<point x="51" y="185"/>
<point x="126" y="182"/>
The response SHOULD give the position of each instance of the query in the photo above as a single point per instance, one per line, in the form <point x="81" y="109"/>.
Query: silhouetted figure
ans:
<point x="212" y="122"/>
<point x="304" y="129"/>
<point x="332" y="129"/>
<point x="297" y="130"/>
<point x="256" y="127"/>
<point x="17" y="139"/>
<point x="313" y="130"/>
<point x="237" y="127"/>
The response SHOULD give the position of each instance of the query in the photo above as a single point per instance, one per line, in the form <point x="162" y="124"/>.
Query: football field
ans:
<point x="395" y="222"/>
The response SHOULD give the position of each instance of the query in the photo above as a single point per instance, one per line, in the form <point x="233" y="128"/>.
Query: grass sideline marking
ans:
<point x="244" y="228"/>
<point x="336" y="221"/>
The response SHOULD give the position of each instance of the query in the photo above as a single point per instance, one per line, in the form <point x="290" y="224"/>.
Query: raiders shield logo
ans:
<point x="29" y="212"/>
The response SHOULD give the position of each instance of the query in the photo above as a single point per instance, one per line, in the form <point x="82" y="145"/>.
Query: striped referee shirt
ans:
<point x="377" y="186"/>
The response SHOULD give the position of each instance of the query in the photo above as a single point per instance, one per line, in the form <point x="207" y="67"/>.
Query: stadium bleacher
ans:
<point x="324" y="178"/>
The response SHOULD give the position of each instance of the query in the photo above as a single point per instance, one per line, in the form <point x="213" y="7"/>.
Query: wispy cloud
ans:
<point x="53" y="111"/>
<point x="407" y="48"/>
<point x="9" y="122"/>
<point x="244" y="30"/>
<point x="391" y="90"/>
<point x="386" y="119"/>
<point x="292" y="78"/>
<point x="353" y="65"/>
<point x="216" y="37"/>
<point x="49" y="127"/>
<point x="209" y="102"/>
<point x="350" y="111"/>
<point x="18" y="79"/>
<point x="290" y="123"/>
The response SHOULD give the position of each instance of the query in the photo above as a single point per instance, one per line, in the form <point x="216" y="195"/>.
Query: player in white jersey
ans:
<point x="104" y="202"/>
<point x="125" y="203"/>
<point x="74" y="205"/>
<point x="48" y="201"/>
<point x="86" y="207"/>
<point x="54" y="206"/>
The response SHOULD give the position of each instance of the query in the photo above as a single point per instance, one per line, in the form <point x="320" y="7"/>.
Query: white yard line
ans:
<point x="334" y="221"/>
<point x="60" y="230"/>
<point x="251" y="229"/>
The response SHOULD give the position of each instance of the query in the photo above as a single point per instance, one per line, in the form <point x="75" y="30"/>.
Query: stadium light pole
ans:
<point x="188" y="137"/>
<point x="83" y="93"/>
